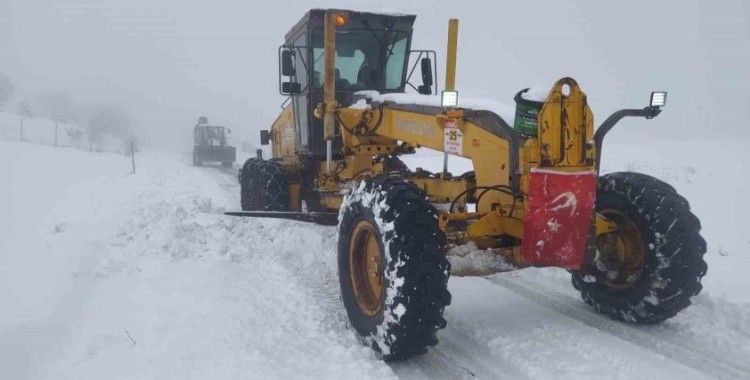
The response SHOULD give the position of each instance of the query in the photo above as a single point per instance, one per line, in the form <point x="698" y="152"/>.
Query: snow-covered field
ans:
<point x="110" y="275"/>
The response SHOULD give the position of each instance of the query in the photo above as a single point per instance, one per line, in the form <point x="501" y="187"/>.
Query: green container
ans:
<point x="527" y="112"/>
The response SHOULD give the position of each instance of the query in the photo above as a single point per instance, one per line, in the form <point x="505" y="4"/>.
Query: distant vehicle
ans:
<point x="211" y="144"/>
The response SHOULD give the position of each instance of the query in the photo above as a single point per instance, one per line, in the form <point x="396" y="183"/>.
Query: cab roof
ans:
<point x="313" y="19"/>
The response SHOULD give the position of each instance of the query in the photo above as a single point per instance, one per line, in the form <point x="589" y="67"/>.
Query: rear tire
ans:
<point x="658" y="281"/>
<point x="263" y="186"/>
<point x="401" y="316"/>
<point x="392" y="163"/>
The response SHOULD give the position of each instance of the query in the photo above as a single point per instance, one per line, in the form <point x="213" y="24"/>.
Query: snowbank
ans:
<point x="142" y="276"/>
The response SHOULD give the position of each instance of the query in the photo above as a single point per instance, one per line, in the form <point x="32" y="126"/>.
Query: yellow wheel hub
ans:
<point x="366" y="268"/>
<point x="620" y="254"/>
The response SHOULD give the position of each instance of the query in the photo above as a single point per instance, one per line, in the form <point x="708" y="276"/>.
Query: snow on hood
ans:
<point x="364" y="98"/>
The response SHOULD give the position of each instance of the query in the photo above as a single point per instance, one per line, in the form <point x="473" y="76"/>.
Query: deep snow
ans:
<point x="110" y="275"/>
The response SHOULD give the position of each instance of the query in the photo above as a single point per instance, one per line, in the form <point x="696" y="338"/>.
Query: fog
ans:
<point x="167" y="62"/>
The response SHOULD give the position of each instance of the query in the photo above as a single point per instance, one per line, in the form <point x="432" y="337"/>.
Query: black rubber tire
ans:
<point x="263" y="186"/>
<point x="392" y="163"/>
<point x="673" y="264"/>
<point x="412" y="252"/>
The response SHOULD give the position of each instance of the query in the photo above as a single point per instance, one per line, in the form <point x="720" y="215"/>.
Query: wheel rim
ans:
<point x="619" y="254"/>
<point x="366" y="269"/>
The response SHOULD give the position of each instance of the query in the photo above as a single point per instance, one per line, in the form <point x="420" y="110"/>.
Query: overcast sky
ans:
<point x="169" y="61"/>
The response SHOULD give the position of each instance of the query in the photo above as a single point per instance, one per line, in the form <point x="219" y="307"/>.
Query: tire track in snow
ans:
<point x="445" y="361"/>
<point x="435" y="364"/>
<point x="675" y="348"/>
<point x="474" y="358"/>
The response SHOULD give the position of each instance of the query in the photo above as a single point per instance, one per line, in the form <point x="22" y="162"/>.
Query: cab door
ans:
<point x="295" y="58"/>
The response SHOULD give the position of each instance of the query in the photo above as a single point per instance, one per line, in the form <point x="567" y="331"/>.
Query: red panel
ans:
<point x="559" y="214"/>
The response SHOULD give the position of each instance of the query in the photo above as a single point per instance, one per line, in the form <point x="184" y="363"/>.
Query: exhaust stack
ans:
<point x="329" y="85"/>
<point x="450" y="72"/>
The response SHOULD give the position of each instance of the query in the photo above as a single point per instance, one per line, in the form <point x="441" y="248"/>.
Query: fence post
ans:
<point x="132" y="155"/>
<point x="55" y="134"/>
<point x="21" y="128"/>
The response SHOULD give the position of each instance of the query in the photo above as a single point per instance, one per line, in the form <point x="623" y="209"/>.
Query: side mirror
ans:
<point x="426" y="87"/>
<point x="265" y="137"/>
<point x="287" y="63"/>
<point x="291" y="88"/>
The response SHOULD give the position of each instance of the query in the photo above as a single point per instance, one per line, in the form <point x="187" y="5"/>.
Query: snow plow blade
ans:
<point x="324" y="218"/>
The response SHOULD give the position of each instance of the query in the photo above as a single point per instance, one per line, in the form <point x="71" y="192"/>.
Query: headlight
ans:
<point x="658" y="99"/>
<point x="450" y="99"/>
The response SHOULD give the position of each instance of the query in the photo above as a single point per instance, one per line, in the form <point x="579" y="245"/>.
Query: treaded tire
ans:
<point x="415" y="270"/>
<point x="673" y="251"/>
<point x="392" y="163"/>
<point x="263" y="186"/>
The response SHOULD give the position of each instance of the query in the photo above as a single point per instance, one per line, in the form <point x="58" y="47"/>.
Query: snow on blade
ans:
<point x="469" y="260"/>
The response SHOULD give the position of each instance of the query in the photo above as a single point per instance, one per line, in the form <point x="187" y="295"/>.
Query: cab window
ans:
<point x="365" y="59"/>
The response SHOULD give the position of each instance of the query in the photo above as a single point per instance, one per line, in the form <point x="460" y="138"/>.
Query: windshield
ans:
<point x="365" y="59"/>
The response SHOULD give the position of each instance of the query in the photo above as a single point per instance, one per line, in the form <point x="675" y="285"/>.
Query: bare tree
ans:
<point x="107" y="120"/>
<point x="58" y="108"/>
<point x="6" y="89"/>
<point x="74" y="134"/>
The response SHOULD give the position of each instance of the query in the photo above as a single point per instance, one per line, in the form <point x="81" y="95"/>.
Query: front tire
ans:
<point x="263" y="186"/>
<point x="393" y="273"/>
<point x="647" y="270"/>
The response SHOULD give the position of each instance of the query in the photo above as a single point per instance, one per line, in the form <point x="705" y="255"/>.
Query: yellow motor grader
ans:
<point x="534" y="198"/>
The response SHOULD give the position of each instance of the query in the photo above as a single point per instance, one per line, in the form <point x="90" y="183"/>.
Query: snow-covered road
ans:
<point x="109" y="275"/>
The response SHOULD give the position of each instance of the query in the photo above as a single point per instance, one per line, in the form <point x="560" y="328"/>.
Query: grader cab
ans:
<point x="630" y="242"/>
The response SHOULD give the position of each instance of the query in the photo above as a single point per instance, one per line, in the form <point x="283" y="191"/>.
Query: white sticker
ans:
<point x="453" y="138"/>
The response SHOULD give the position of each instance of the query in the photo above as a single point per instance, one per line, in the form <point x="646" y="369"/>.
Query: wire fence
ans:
<point x="46" y="132"/>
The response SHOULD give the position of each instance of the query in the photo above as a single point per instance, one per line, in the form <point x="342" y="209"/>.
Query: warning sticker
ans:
<point x="453" y="139"/>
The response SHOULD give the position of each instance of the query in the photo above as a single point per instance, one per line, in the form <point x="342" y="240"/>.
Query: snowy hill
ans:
<point x="47" y="132"/>
<point x="107" y="275"/>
